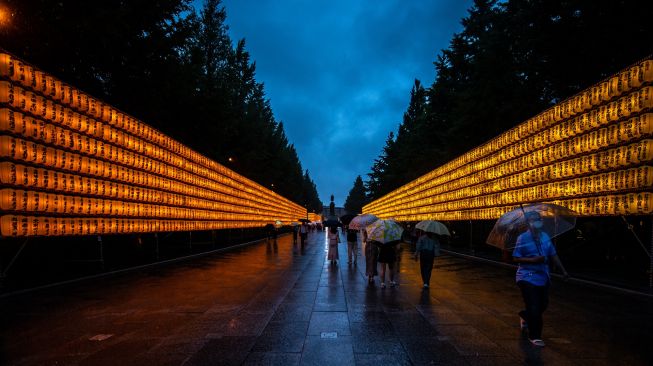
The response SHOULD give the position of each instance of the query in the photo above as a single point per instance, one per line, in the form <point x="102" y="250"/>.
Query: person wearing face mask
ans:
<point x="532" y="252"/>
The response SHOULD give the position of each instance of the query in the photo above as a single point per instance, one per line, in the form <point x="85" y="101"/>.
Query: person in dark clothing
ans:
<point x="428" y="247"/>
<point x="352" y="245"/>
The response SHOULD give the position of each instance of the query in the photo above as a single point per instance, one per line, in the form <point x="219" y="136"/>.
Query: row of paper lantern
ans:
<point x="12" y="174"/>
<point x="20" y="201"/>
<point x="30" y="77"/>
<point x="501" y="178"/>
<point x="629" y="204"/>
<point x="542" y="164"/>
<point x="630" y="130"/>
<point x="621" y="133"/>
<point x="554" y="115"/>
<point x="640" y="203"/>
<point x="635" y="179"/>
<point x="514" y="174"/>
<point x="20" y="124"/>
<point x="627" y="79"/>
<point x="26" y="226"/>
<point x="78" y="143"/>
<point x="555" y="172"/>
<point x="624" y="132"/>
<point x="22" y="150"/>
<point x="47" y="86"/>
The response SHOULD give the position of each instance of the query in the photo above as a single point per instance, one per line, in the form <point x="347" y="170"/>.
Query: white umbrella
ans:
<point x="432" y="226"/>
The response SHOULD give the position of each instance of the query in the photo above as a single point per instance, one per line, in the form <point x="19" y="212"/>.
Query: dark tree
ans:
<point x="173" y="68"/>
<point x="356" y="198"/>
<point x="512" y="60"/>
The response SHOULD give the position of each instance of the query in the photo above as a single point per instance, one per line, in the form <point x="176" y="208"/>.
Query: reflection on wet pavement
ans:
<point x="282" y="304"/>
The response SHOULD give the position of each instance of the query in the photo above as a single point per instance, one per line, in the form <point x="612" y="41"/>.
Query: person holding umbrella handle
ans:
<point x="532" y="252"/>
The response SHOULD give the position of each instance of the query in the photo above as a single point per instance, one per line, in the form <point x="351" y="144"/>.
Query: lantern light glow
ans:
<point x="73" y="165"/>
<point x="591" y="153"/>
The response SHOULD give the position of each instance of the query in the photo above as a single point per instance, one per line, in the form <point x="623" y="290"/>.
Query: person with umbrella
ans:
<point x="533" y="250"/>
<point x="370" y="250"/>
<point x="428" y="247"/>
<point x="334" y="240"/>
<point x="303" y="232"/>
<point x="386" y="234"/>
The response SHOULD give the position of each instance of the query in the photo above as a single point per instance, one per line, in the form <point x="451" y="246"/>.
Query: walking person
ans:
<point x="371" y="256"/>
<point x="352" y="245"/>
<point x="295" y="230"/>
<point x="334" y="239"/>
<point x="387" y="258"/>
<point x="427" y="248"/>
<point x="303" y="232"/>
<point x="532" y="252"/>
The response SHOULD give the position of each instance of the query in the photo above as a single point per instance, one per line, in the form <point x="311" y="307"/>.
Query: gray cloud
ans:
<point x="339" y="73"/>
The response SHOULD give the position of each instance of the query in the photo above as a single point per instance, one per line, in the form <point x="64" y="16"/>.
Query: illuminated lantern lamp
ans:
<point x="614" y="87"/>
<point x="635" y="76"/>
<point x="646" y="68"/>
<point x="604" y="94"/>
<point x="10" y="225"/>
<point x="7" y="66"/>
<point x="33" y="78"/>
<point x="645" y="99"/>
<point x="44" y="227"/>
<point x="643" y="203"/>
<point x="30" y="76"/>
<point x="624" y="80"/>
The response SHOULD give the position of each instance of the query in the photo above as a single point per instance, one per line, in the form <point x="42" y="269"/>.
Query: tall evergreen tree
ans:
<point x="379" y="180"/>
<point x="170" y="66"/>
<point x="502" y="69"/>
<point x="356" y="198"/>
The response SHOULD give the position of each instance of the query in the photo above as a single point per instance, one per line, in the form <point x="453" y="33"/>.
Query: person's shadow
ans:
<point x="532" y="354"/>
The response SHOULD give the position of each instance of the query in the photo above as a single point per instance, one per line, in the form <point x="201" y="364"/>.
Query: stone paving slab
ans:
<point x="278" y="304"/>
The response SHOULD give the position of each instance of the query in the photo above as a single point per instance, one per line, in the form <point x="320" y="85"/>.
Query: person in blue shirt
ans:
<point x="532" y="252"/>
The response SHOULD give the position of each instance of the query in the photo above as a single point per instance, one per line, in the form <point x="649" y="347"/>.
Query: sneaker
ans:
<point x="393" y="284"/>
<point x="537" y="342"/>
<point x="382" y="284"/>
<point x="426" y="285"/>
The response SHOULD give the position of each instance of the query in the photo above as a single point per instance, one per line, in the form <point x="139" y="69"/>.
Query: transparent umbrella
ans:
<point x="361" y="221"/>
<point x="556" y="221"/>
<point x="432" y="226"/>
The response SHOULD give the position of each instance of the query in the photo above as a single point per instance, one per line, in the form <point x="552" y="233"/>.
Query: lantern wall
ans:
<point x="591" y="153"/>
<point x="73" y="165"/>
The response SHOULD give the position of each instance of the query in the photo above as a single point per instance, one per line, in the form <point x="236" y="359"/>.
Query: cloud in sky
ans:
<point x="339" y="73"/>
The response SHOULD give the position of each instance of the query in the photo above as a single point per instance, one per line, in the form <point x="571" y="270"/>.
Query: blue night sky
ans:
<point x="338" y="74"/>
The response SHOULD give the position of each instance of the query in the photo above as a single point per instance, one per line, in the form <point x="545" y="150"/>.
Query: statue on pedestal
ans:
<point x="332" y="207"/>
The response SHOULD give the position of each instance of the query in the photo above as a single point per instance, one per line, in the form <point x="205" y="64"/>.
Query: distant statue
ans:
<point x="332" y="207"/>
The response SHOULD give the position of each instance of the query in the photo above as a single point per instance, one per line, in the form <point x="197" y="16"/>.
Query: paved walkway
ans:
<point x="280" y="304"/>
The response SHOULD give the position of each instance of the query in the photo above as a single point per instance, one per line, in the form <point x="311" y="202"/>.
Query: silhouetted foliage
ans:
<point x="512" y="60"/>
<point x="170" y="66"/>
<point x="357" y="197"/>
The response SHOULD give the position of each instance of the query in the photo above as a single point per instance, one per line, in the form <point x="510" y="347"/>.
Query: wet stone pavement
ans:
<point x="280" y="304"/>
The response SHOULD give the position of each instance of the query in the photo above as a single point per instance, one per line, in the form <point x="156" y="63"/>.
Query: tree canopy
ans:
<point x="512" y="60"/>
<point x="172" y="67"/>
<point x="357" y="197"/>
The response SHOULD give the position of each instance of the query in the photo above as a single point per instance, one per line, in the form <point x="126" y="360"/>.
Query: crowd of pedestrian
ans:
<point x="533" y="252"/>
